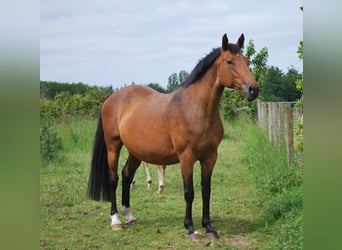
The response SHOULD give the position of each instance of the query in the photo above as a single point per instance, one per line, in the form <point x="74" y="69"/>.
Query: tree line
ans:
<point x="63" y="99"/>
<point x="59" y="100"/>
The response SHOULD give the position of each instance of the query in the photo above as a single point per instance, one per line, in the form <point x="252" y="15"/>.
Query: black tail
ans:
<point x="98" y="185"/>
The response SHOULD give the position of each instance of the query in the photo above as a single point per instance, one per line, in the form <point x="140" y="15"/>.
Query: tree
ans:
<point x="299" y="132"/>
<point x="300" y="82"/>
<point x="182" y="75"/>
<point x="257" y="62"/>
<point x="258" y="66"/>
<point x="290" y="79"/>
<point x="280" y="87"/>
<point x="173" y="82"/>
<point x="157" y="87"/>
<point x="273" y="86"/>
<point x="51" y="89"/>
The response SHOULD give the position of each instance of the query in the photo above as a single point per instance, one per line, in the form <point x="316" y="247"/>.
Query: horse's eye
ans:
<point x="229" y="62"/>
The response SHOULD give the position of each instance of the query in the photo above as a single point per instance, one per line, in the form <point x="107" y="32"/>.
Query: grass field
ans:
<point x="256" y="200"/>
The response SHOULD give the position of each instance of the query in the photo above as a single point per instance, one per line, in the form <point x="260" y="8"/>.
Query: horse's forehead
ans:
<point x="239" y="54"/>
<point x="230" y="54"/>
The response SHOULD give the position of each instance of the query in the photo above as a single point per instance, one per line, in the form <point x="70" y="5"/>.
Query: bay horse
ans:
<point x="183" y="127"/>
<point x="161" y="173"/>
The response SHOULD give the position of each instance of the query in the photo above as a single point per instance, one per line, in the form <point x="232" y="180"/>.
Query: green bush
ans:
<point x="232" y="104"/>
<point x="51" y="145"/>
<point x="229" y="103"/>
<point x="48" y="108"/>
<point x="61" y="100"/>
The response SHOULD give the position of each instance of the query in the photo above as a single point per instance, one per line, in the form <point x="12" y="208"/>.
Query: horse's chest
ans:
<point x="196" y="133"/>
<point x="207" y="138"/>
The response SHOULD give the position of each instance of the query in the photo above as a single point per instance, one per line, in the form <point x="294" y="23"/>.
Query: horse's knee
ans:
<point x="189" y="195"/>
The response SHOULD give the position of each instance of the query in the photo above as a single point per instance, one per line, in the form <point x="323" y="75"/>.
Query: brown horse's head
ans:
<point x="233" y="69"/>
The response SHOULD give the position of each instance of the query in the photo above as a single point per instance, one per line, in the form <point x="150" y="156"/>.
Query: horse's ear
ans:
<point x="241" y="41"/>
<point x="225" y="42"/>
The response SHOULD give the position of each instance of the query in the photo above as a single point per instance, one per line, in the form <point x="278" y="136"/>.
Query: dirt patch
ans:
<point x="238" y="240"/>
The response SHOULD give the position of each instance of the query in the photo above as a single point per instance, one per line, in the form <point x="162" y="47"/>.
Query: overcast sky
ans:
<point x="111" y="42"/>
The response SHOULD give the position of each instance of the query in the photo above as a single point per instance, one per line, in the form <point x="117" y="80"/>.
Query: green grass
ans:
<point x="241" y="201"/>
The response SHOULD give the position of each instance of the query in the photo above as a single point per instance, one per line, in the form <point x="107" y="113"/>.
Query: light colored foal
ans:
<point x="161" y="173"/>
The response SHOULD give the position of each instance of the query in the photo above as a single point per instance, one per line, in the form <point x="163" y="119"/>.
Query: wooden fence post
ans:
<point x="265" y="118"/>
<point x="275" y="123"/>
<point x="277" y="120"/>
<point x="272" y="121"/>
<point x="262" y="116"/>
<point x="259" y="115"/>
<point x="270" y="124"/>
<point x="289" y="125"/>
<point x="281" y="111"/>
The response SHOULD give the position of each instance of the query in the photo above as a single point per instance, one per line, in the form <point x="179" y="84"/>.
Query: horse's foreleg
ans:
<point x="189" y="195"/>
<point x="161" y="174"/>
<point x="128" y="172"/>
<point x="206" y="172"/>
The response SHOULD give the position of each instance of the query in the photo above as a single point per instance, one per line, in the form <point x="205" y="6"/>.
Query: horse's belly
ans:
<point x="152" y="147"/>
<point x="154" y="155"/>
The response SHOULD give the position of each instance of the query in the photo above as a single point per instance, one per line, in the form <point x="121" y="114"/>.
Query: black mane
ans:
<point x="205" y="63"/>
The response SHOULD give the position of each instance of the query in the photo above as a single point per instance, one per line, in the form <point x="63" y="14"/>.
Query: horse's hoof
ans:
<point x="194" y="236"/>
<point x="131" y="222"/>
<point x="212" y="235"/>
<point x="116" y="227"/>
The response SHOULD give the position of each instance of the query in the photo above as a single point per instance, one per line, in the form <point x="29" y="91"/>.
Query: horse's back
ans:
<point x="138" y="116"/>
<point x="131" y="93"/>
<point x="127" y="99"/>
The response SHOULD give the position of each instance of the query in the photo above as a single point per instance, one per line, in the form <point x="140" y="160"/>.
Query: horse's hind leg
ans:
<point x="161" y="173"/>
<point x="128" y="172"/>
<point x="148" y="176"/>
<point x="113" y="151"/>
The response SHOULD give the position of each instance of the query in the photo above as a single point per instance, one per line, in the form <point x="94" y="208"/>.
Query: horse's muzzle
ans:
<point x="251" y="91"/>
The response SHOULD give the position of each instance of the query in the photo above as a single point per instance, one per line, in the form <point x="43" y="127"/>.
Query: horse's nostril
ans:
<point x="251" y="90"/>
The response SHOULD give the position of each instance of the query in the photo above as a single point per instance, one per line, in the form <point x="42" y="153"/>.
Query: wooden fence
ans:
<point x="279" y="119"/>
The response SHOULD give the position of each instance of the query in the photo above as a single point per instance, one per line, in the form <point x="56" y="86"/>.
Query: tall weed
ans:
<point x="281" y="185"/>
<point x="78" y="133"/>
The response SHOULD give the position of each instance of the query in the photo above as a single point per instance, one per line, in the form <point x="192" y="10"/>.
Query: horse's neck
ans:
<point x="206" y="93"/>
